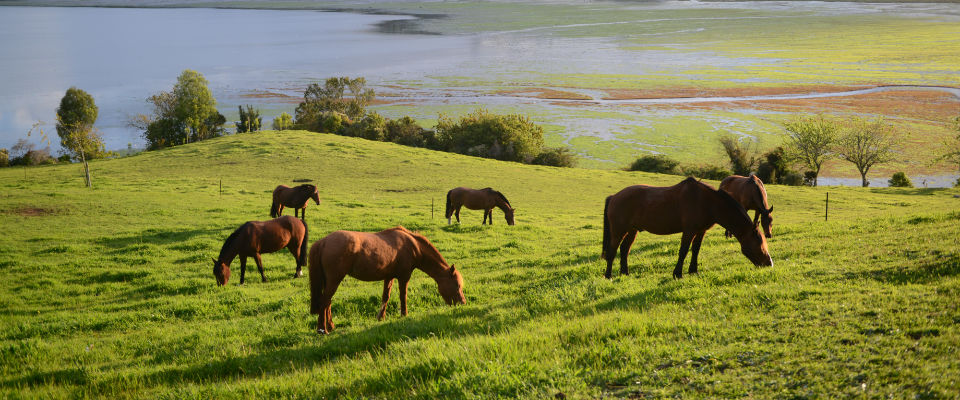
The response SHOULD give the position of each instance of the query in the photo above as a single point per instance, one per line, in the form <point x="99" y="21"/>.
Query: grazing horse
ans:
<point x="690" y="207"/>
<point x="750" y="193"/>
<point x="484" y="199"/>
<point x="383" y="256"/>
<point x="296" y="198"/>
<point x="255" y="237"/>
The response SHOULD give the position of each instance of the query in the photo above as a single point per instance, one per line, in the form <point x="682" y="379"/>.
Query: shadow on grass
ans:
<point x="154" y="236"/>
<point x="943" y="264"/>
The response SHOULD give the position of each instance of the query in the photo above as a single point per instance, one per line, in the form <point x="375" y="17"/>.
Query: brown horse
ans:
<point x="383" y="256"/>
<point x="750" y="193"/>
<point x="484" y="199"/>
<point x="296" y="198"/>
<point x="255" y="237"/>
<point x="690" y="207"/>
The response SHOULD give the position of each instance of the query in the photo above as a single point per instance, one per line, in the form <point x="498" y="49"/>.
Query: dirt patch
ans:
<point x="684" y="92"/>
<point x="258" y="94"/>
<point x="543" y="93"/>
<point x="32" y="211"/>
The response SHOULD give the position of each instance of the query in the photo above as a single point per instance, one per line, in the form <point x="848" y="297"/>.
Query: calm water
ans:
<point x="122" y="56"/>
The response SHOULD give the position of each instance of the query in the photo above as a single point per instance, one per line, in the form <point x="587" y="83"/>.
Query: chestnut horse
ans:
<point x="296" y="198"/>
<point x="255" y="237"/>
<point x="690" y="207"/>
<point x="484" y="199"/>
<point x="383" y="256"/>
<point x="750" y="193"/>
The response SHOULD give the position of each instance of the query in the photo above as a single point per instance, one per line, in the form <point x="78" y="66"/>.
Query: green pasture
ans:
<point x="108" y="292"/>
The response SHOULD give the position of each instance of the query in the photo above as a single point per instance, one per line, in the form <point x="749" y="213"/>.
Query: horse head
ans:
<point x="451" y="287"/>
<point x="315" y="196"/>
<point x="508" y="214"/>
<point x="221" y="271"/>
<point x="766" y="220"/>
<point x="754" y="246"/>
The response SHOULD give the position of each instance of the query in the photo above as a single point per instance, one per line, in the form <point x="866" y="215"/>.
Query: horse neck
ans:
<point x="229" y="251"/>
<point x="761" y="198"/>
<point x="502" y="205"/>
<point x="726" y="215"/>
<point x="431" y="262"/>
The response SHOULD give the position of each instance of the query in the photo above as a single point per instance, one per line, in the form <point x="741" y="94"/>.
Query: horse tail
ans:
<point x="606" y="228"/>
<point x="275" y="208"/>
<point x="449" y="210"/>
<point x="318" y="279"/>
<point x="303" y="244"/>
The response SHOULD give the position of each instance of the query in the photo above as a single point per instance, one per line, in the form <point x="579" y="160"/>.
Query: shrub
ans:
<point x="900" y="179"/>
<point x="555" y="157"/>
<point x="957" y="183"/>
<point x="504" y="137"/>
<point x="659" y="163"/>
<point x="249" y="120"/>
<point x="408" y="132"/>
<point x="741" y="160"/>
<point x="792" y="179"/>
<point x="372" y="126"/>
<point x="810" y="178"/>
<point x="320" y="100"/>
<point x="712" y="172"/>
<point x="4" y="158"/>
<point x="283" y="122"/>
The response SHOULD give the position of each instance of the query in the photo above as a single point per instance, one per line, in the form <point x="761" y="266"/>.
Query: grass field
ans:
<point x="108" y="292"/>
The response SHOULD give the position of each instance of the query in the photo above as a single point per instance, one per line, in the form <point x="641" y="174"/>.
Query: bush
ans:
<point x="408" y="132"/>
<point x="810" y="178"/>
<point x="555" y="157"/>
<point x="284" y="121"/>
<point x="504" y="137"/>
<point x="712" y="172"/>
<point x="659" y="163"/>
<point x="792" y="179"/>
<point x="957" y="183"/>
<point x="4" y="158"/>
<point x="900" y="179"/>
<point x="372" y="127"/>
<point x="249" y="120"/>
<point x="741" y="160"/>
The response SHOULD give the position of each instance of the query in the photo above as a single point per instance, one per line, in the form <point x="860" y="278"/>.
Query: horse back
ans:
<point x="661" y="210"/>
<point x="750" y="196"/>
<point x="270" y="236"/>
<point x="369" y="256"/>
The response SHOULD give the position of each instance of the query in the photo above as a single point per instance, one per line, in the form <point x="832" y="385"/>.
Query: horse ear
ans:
<point x="453" y="269"/>
<point x="214" y="260"/>
<point x="770" y="210"/>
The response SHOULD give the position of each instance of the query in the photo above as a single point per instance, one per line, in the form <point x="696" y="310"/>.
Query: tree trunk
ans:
<point x="863" y="178"/>
<point x="86" y="168"/>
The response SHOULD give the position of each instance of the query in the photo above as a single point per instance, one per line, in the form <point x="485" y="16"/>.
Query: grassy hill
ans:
<point x="109" y="292"/>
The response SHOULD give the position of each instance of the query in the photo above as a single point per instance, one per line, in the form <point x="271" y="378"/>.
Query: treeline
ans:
<point x="812" y="140"/>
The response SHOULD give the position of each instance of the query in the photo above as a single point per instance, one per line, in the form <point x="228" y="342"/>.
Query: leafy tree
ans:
<point x="372" y="127"/>
<point x="740" y="158"/>
<point x="283" y="122"/>
<point x="900" y="179"/>
<point x="4" y="158"/>
<point x="555" y="157"/>
<point x="950" y="150"/>
<point x="75" y="118"/>
<point x="186" y="114"/>
<point x="504" y="137"/>
<point x="658" y="163"/>
<point x="865" y="144"/>
<point x="329" y="98"/>
<point x="811" y="141"/>
<point x="249" y="120"/>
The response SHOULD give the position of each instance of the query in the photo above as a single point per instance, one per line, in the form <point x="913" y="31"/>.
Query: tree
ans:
<point x="186" y="114"/>
<point x="249" y="120"/>
<point x="950" y="150"/>
<point x="865" y="144"/>
<point x="741" y="161"/>
<point x="75" y="118"/>
<point x="284" y="121"/>
<point x="4" y="158"/>
<point x="329" y="98"/>
<point x="811" y="141"/>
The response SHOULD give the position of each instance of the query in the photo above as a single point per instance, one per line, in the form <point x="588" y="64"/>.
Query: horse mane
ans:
<point x="498" y="194"/>
<point x="424" y="243"/>
<point x="304" y="191"/>
<point x="230" y="239"/>
<point x="731" y="202"/>
<point x="756" y="181"/>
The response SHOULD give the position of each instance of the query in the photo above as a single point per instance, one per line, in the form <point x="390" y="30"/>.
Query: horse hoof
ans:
<point x="321" y="332"/>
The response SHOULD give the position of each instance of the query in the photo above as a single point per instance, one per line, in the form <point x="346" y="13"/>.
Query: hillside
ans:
<point x="109" y="293"/>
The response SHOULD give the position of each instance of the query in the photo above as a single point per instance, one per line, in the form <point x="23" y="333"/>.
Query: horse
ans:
<point x="383" y="256"/>
<point x="690" y="207"/>
<point x="484" y="199"/>
<point x="750" y="193"/>
<point x="296" y="198"/>
<point x="255" y="237"/>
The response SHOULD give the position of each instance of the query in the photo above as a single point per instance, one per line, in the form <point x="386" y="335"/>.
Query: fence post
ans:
<point x="826" y="210"/>
<point x="221" y="186"/>
<point x="431" y="209"/>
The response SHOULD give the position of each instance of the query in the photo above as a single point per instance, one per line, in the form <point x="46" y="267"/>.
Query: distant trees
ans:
<point x="283" y="122"/>
<point x="26" y="153"/>
<point x="75" y="118"/>
<point x="810" y="141"/>
<point x="249" y="120"/>
<point x="186" y="114"/>
<point x="866" y="143"/>
<point x="325" y="106"/>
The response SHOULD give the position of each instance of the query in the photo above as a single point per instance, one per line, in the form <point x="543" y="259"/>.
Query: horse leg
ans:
<point x="695" y="251"/>
<point x="387" y="284"/>
<point x="280" y="211"/>
<point x="403" y="295"/>
<point x="625" y="251"/>
<point x="295" y="252"/>
<point x="684" y="248"/>
<point x="256" y="257"/>
<point x="457" y="212"/>
<point x="243" y="267"/>
<point x="610" y="252"/>
<point x="325" y="319"/>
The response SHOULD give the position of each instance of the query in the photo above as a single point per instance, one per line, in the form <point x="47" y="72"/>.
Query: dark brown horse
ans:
<point x="296" y="198"/>
<point x="690" y="207"/>
<point x="383" y="256"/>
<point x="750" y="193"/>
<point x="484" y="199"/>
<point x="256" y="237"/>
